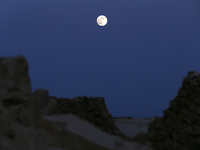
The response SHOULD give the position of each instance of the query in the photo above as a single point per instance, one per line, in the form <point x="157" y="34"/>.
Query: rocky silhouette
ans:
<point x="14" y="79"/>
<point x="93" y="109"/>
<point x="37" y="121"/>
<point x="179" y="128"/>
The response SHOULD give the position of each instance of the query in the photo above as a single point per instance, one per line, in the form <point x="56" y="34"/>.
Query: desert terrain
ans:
<point x="133" y="126"/>
<point x="37" y="121"/>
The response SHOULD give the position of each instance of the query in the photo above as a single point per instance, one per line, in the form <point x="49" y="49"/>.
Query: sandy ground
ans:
<point x="94" y="134"/>
<point x="131" y="127"/>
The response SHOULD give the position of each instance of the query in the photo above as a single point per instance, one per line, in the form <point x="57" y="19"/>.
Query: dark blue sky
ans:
<point x="137" y="61"/>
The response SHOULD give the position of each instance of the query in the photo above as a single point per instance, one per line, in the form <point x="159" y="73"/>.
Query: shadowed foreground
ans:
<point x="37" y="121"/>
<point x="180" y="126"/>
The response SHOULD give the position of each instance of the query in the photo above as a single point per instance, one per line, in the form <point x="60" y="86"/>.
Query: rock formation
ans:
<point x="37" y="121"/>
<point x="14" y="79"/>
<point x="93" y="109"/>
<point x="179" y="129"/>
<point x="30" y="121"/>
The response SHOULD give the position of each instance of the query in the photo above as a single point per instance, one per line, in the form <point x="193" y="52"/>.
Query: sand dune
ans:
<point x="86" y="130"/>
<point x="131" y="127"/>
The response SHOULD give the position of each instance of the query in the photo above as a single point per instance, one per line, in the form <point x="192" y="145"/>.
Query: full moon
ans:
<point x="102" y="20"/>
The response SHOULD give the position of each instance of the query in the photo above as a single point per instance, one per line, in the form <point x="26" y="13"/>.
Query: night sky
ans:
<point x="137" y="61"/>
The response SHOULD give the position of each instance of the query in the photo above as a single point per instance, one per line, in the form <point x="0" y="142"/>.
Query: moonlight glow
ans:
<point x="102" y="20"/>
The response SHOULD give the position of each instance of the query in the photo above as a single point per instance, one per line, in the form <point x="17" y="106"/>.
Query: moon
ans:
<point x="102" y="20"/>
